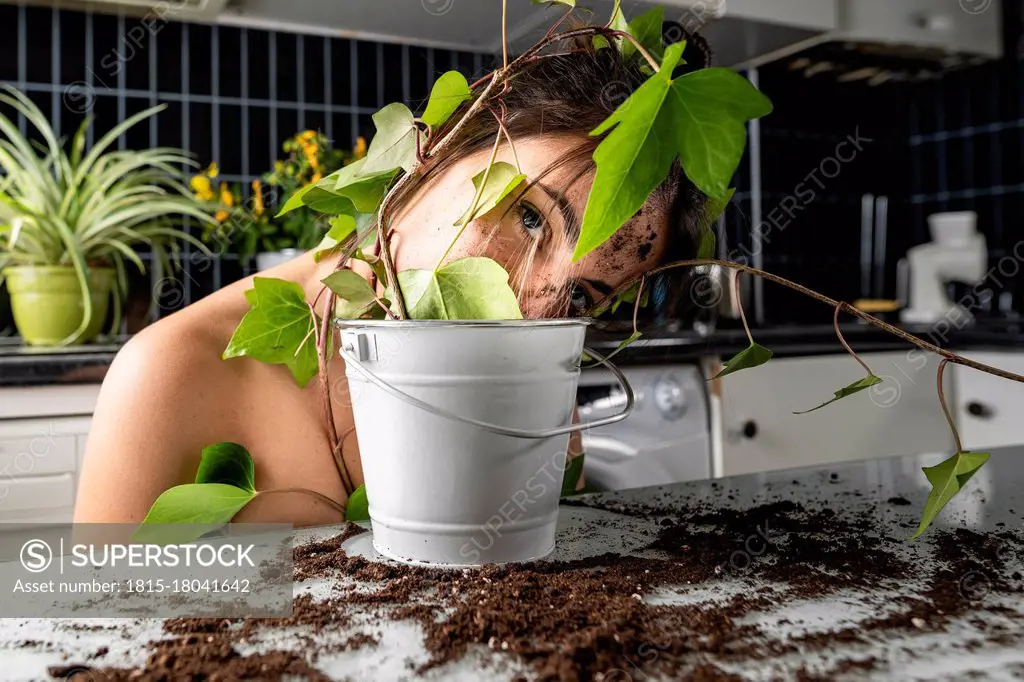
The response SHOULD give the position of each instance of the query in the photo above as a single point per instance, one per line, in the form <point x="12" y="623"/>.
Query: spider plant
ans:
<point x="82" y="209"/>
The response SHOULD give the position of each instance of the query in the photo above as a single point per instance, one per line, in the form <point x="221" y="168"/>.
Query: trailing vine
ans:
<point x="697" y="119"/>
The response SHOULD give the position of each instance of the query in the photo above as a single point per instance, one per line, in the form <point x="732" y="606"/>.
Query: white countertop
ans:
<point x="996" y="490"/>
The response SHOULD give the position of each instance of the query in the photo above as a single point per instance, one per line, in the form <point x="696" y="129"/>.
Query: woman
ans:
<point x="168" y="394"/>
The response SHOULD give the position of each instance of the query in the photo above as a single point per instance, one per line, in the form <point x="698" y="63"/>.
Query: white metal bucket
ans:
<point x="463" y="428"/>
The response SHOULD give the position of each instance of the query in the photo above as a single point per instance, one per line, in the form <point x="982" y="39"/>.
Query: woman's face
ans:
<point x="532" y="233"/>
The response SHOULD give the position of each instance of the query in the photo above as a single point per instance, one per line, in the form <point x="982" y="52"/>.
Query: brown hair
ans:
<point x="573" y="92"/>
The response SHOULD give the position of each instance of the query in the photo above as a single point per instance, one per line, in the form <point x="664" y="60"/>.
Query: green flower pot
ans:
<point x="48" y="306"/>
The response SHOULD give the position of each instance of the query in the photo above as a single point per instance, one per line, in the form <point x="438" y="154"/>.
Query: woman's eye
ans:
<point x="580" y="298"/>
<point x="532" y="220"/>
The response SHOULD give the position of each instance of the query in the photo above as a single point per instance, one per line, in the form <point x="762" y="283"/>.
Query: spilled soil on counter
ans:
<point x="600" y="618"/>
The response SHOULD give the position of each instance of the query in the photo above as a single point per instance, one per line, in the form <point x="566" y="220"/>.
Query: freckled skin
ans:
<point x="168" y="393"/>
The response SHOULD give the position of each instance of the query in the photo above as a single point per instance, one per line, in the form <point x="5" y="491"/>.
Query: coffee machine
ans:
<point x="957" y="252"/>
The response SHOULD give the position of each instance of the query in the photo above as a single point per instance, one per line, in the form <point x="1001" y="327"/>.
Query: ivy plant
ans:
<point x="697" y="119"/>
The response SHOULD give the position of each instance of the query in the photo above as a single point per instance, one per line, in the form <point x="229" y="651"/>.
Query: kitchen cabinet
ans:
<point x="43" y="430"/>
<point x="757" y="430"/>
<point x="987" y="408"/>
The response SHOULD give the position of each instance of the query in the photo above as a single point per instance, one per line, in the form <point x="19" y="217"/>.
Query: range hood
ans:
<point x="155" y="10"/>
<point x="739" y="30"/>
<point x="913" y="40"/>
<point x="743" y="33"/>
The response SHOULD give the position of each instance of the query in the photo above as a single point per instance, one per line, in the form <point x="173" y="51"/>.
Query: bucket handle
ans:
<point x="351" y="361"/>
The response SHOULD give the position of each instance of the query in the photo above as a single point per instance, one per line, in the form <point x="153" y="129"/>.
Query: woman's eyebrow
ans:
<point x="569" y="217"/>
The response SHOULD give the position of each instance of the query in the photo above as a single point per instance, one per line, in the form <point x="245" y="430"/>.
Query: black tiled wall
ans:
<point x="233" y="94"/>
<point x="825" y="145"/>
<point x="956" y="143"/>
<point x="967" y="147"/>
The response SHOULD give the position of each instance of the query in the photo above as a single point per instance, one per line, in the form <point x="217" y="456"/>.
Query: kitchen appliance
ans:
<point x="875" y="40"/>
<point x="666" y="438"/>
<point x="957" y="252"/>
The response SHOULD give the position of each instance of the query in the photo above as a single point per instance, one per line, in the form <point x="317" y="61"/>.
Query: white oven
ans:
<point x="667" y="437"/>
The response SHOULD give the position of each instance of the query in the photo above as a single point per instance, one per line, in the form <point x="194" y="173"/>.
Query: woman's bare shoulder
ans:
<point x="165" y="397"/>
<point x="181" y="347"/>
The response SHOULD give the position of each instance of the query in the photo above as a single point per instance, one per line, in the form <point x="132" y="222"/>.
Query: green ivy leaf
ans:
<point x="632" y="160"/>
<point x="358" y="507"/>
<point x="355" y="297"/>
<point x="629" y="296"/>
<point x="351" y="189"/>
<point x="753" y="355"/>
<point x="948" y="477"/>
<point x="341" y="227"/>
<point x="709" y="109"/>
<point x="449" y="91"/>
<point x="176" y="515"/>
<point x="227" y="463"/>
<point x="571" y="477"/>
<point x="625" y="343"/>
<point x="394" y="145"/>
<point x="699" y="117"/>
<point x="366" y="188"/>
<point x="855" y="387"/>
<point x="714" y="207"/>
<point x="646" y="28"/>
<point x="501" y="181"/>
<point x="375" y="262"/>
<point x="277" y="329"/>
<point x="467" y="289"/>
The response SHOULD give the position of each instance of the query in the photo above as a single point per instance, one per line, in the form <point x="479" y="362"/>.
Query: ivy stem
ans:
<point x="476" y="200"/>
<point x="945" y="407"/>
<point x="639" y="48"/>
<point x="419" y="145"/>
<point x="325" y="391"/>
<point x="504" y="34"/>
<point x="380" y="302"/>
<point x="839" y="334"/>
<point x="636" y="303"/>
<point x="474" y="108"/>
<point x="385" y="250"/>
<point x="739" y="304"/>
<point x="430" y="130"/>
<point x="311" y="332"/>
<point x="615" y="10"/>
<point x="831" y="302"/>
<point x="306" y="491"/>
<point x="382" y="214"/>
<point x="504" y="129"/>
<point x="561" y="21"/>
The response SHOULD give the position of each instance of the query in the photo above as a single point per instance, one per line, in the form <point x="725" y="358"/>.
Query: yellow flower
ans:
<point x="360" y="149"/>
<point x="312" y="155"/>
<point x="221" y="216"/>
<point x="315" y="179"/>
<point x="226" y="197"/>
<point x="306" y="136"/>
<point x="278" y="166"/>
<point x="257" y="198"/>
<point x="202" y="187"/>
<point x="212" y="170"/>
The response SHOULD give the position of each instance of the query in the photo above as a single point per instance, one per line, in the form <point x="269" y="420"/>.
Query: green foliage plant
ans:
<point x="89" y="207"/>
